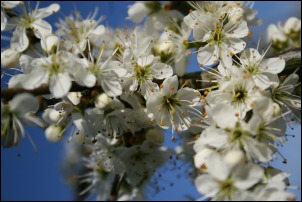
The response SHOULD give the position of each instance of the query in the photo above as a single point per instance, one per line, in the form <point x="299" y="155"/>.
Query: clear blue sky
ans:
<point x="29" y="176"/>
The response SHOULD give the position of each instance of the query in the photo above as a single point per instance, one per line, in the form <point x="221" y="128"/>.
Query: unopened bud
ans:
<point x="234" y="158"/>
<point x="53" y="133"/>
<point x="50" y="43"/>
<point x="166" y="49"/>
<point x="10" y="58"/>
<point x="74" y="97"/>
<point x="102" y="101"/>
<point x="292" y="28"/>
<point x="277" y="109"/>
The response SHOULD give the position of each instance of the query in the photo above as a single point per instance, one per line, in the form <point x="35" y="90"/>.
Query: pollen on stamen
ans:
<point x="161" y="86"/>
<point x="152" y="90"/>
<point x="190" y="52"/>
<point x="161" y="123"/>
<point x="246" y="76"/>
<point x="204" y="115"/>
<point x="172" y="88"/>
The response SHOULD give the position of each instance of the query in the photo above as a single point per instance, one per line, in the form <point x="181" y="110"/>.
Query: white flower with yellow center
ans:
<point x="224" y="182"/>
<point x="31" y="19"/>
<point x="239" y="92"/>
<point x="144" y="70"/>
<point x="223" y="40"/>
<point x="263" y="71"/>
<point x="77" y="30"/>
<point x="172" y="107"/>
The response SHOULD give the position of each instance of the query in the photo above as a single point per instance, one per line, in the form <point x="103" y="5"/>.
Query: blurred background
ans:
<point x="29" y="176"/>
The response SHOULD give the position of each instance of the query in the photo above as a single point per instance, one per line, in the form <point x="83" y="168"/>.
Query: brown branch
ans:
<point x="115" y="187"/>
<point x="9" y="93"/>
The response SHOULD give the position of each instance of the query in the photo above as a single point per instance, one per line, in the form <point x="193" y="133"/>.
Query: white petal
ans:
<point x="144" y="61"/>
<point x="257" y="150"/>
<point x="148" y="88"/>
<point x="96" y="33"/>
<point x="24" y="103"/>
<point x="206" y="185"/>
<point x="189" y="94"/>
<point x="83" y="76"/>
<point x="45" y="12"/>
<point x="207" y="55"/>
<point x="59" y="84"/>
<point x="25" y="65"/>
<point x="3" y="20"/>
<point x="35" y="79"/>
<point x="245" y="176"/>
<point x="234" y="45"/>
<point x="111" y="86"/>
<point x="202" y="156"/>
<point x="19" y="40"/>
<point x="215" y="137"/>
<point x="241" y="29"/>
<point x="41" y="27"/>
<point x="225" y="116"/>
<point x="170" y="85"/>
<point x="153" y="104"/>
<point x="273" y="65"/>
<point x="161" y="70"/>
<point x="250" y="56"/>
<point x="9" y="4"/>
<point x="118" y="68"/>
<point x="262" y="81"/>
<point x="217" y="168"/>
<point x="16" y="81"/>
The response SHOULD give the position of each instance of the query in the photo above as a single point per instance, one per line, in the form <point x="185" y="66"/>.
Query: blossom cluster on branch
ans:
<point x="132" y="90"/>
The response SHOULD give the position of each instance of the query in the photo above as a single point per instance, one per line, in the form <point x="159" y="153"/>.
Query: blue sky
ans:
<point x="29" y="176"/>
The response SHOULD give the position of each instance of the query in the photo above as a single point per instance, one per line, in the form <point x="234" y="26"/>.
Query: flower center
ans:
<point x="239" y="95"/>
<point x="227" y="189"/>
<point x="142" y="73"/>
<point x="252" y="69"/>
<point x="94" y="69"/>
<point x="170" y="101"/>
<point x="217" y="36"/>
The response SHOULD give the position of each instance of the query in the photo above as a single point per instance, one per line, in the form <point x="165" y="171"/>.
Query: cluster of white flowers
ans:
<point x="284" y="36"/>
<point x="132" y="91"/>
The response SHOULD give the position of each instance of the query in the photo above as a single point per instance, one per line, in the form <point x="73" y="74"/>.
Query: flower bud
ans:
<point x="277" y="109"/>
<point x="53" y="133"/>
<point x="10" y="58"/>
<point x="277" y="37"/>
<point x="137" y="12"/>
<point x="102" y="101"/>
<point x="74" y="97"/>
<point x="155" y="135"/>
<point x="49" y="43"/>
<point x="292" y="28"/>
<point x="166" y="49"/>
<point x="233" y="158"/>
